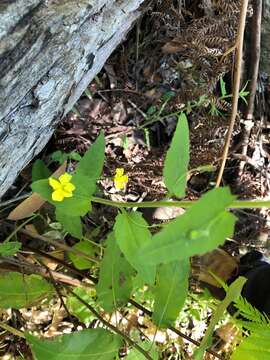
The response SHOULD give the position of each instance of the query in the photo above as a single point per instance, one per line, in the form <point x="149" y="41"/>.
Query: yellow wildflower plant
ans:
<point x="62" y="187"/>
<point x="120" y="179"/>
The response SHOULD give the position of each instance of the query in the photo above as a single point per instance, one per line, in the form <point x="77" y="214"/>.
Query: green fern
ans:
<point x="256" y="345"/>
<point x="249" y="312"/>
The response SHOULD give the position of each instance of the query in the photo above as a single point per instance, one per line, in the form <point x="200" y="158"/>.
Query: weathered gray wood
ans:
<point x="49" y="52"/>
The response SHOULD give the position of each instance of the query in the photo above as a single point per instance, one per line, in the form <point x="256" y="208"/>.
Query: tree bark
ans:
<point x="49" y="52"/>
<point x="265" y="47"/>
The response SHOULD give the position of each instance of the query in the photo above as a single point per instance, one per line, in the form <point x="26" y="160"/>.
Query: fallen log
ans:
<point x="49" y="52"/>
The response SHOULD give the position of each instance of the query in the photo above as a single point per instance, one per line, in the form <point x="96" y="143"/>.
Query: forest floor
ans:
<point x="135" y="101"/>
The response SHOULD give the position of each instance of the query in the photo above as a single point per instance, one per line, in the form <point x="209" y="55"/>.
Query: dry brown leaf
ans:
<point x="172" y="47"/>
<point x="33" y="202"/>
<point x="51" y="264"/>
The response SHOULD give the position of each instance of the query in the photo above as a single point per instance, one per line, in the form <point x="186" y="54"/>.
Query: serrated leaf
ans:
<point x="170" y="292"/>
<point x="177" y="159"/>
<point x="254" y="347"/>
<point x="148" y="346"/>
<point x="71" y="224"/>
<point x="9" y="248"/>
<point x="131" y="233"/>
<point x="232" y="294"/>
<point x="78" y="261"/>
<point x="33" y="202"/>
<point x="203" y="227"/>
<point x="40" y="171"/>
<point x="77" y="308"/>
<point x="18" y="290"/>
<point x="96" y="344"/>
<point x="115" y="279"/>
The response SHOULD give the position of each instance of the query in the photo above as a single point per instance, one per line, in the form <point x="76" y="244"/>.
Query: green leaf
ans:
<point x="91" y="164"/>
<point x="71" y="224"/>
<point x="167" y="95"/>
<point x="232" y="294"/>
<point x="115" y="278"/>
<point x="43" y="188"/>
<point x="254" y="347"/>
<point x="131" y="233"/>
<point x="170" y="292"/>
<point x="18" y="290"/>
<point x="59" y="156"/>
<point x="223" y="87"/>
<point x="203" y="227"/>
<point x="88" y="171"/>
<point x="73" y="155"/>
<point x="148" y="346"/>
<point x="79" y="262"/>
<point x="9" y="248"/>
<point x="96" y="344"/>
<point x="177" y="159"/>
<point x="78" y="205"/>
<point x="151" y="110"/>
<point x="40" y="171"/>
<point x="78" y="309"/>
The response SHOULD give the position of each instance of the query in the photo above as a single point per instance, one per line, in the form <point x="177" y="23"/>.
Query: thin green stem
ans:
<point x="12" y="330"/>
<point x="237" y="204"/>
<point x="19" y="227"/>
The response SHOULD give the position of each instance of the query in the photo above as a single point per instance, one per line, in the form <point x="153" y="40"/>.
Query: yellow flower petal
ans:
<point x="58" y="195"/>
<point x="119" y="185"/>
<point x="119" y="172"/>
<point x="120" y="180"/>
<point x="54" y="183"/>
<point x="125" y="178"/>
<point x="67" y="193"/>
<point x="69" y="187"/>
<point x="65" y="178"/>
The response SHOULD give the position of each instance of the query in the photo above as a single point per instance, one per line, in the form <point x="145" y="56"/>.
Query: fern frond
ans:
<point x="249" y="312"/>
<point x="254" y="347"/>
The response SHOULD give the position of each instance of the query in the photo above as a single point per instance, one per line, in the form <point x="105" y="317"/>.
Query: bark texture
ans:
<point x="265" y="46"/>
<point x="49" y="52"/>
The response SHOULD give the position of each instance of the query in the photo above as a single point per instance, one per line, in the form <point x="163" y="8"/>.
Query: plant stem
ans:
<point x="110" y="326"/>
<point x="237" y="204"/>
<point x="12" y="330"/>
<point x="236" y="86"/>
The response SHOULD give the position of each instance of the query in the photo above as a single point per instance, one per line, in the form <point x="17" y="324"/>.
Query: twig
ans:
<point x="134" y="303"/>
<point x="9" y="263"/>
<point x="255" y="51"/>
<point x="12" y="330"/>
<point x="55" y="285"/>
<point x="254" y="55"/>
<point x="61" y="262"/>
<point x="18" y="198"/>
<point x="173" y="329"/>
<point x="110" y="326"/>
<point x="57" y="244"/>
<point x="236" y="86"/>
<point x="122" y="90"/>
<point x="237" y="204"/>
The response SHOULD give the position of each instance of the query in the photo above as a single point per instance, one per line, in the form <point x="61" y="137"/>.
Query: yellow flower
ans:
<point x="120" y="180"/>
<point x="62" y="187"/>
